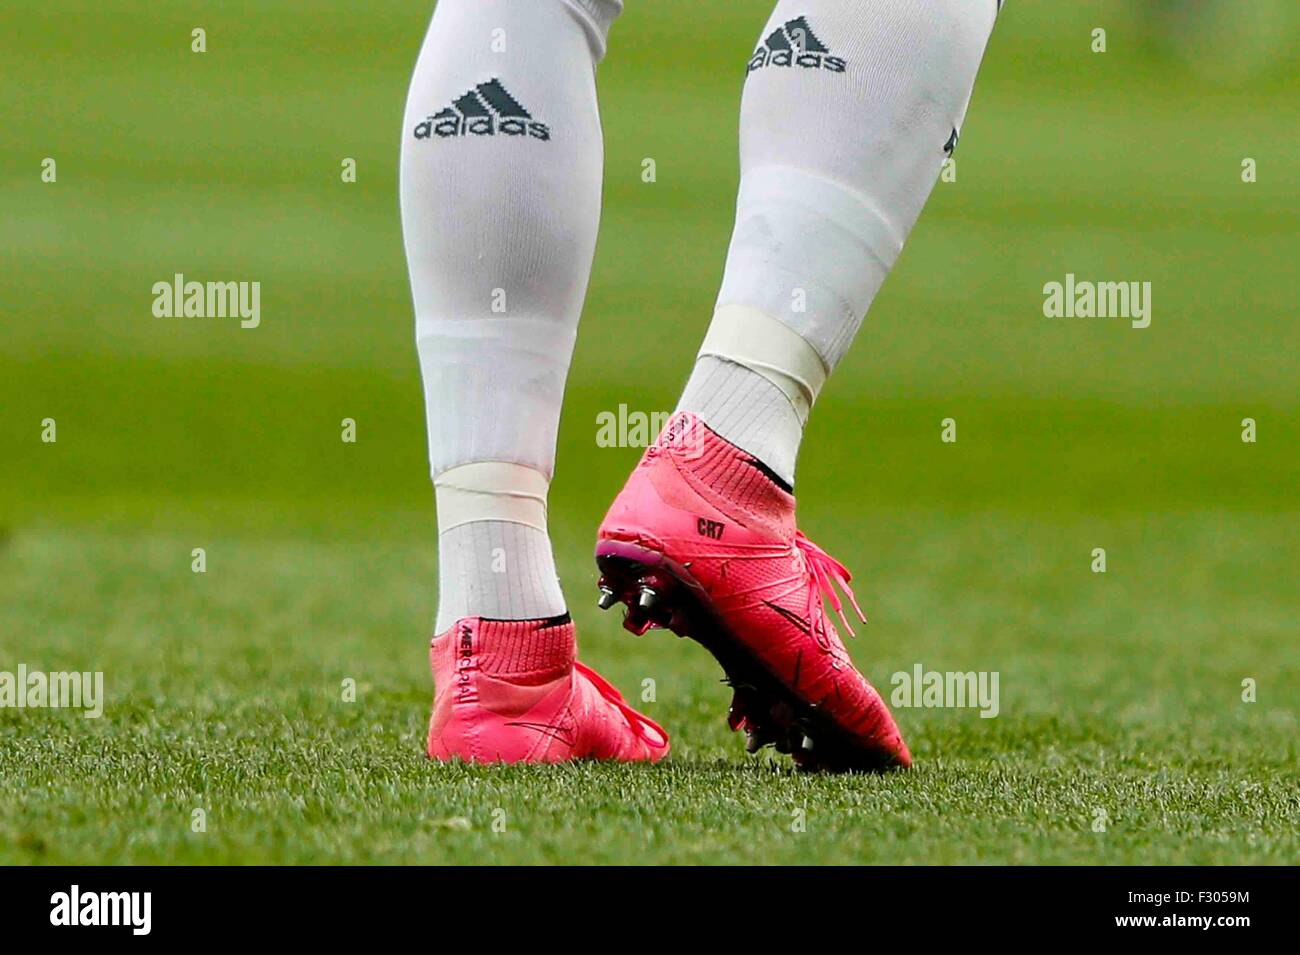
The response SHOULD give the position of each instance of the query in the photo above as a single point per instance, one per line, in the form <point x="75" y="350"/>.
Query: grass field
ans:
<point x="1121" y="693"/>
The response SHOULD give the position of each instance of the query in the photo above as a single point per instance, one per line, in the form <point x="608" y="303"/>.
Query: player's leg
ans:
<point x="500" y="192"/>
<point x="839" y="152"/>
<point x="847" y="115"/>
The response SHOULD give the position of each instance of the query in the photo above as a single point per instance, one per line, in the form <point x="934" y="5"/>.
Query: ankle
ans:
<point x="494" y="554"/>
<point x="527" y="651"/>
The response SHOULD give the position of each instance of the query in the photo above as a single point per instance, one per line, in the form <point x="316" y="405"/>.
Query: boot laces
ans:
<point x="826" y="572"/>
<point x="640" y="724"/>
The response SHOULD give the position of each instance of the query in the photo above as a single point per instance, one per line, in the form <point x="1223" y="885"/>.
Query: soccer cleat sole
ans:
<point x="659" y="594"/>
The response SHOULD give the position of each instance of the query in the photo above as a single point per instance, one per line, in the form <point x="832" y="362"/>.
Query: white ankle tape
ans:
<point x="491" y="491"/>
<point x="768" y="347"/>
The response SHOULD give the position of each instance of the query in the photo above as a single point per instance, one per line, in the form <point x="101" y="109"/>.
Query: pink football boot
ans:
<point x="512" y="691"/>
<point x="702" y="541"/>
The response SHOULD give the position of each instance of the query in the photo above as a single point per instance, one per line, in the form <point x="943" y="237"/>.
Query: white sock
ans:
<point x="500" y="192"/>
<point x="746" y="409"/>
<point x="496" y="569"/>
<point x="494" y="555"/>
<point x="847" y="116"/>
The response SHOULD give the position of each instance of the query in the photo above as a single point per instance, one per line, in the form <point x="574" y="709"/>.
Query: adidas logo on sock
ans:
<point x="794" y="44"/>
<point x="486" y="110"/>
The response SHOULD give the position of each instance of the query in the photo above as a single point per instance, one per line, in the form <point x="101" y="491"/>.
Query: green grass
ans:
<point x="1120" y="693"/>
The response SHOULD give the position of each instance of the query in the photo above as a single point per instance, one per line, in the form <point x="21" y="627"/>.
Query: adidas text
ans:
<point x="810" y="61"/>
<point x="483" y="126"/>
